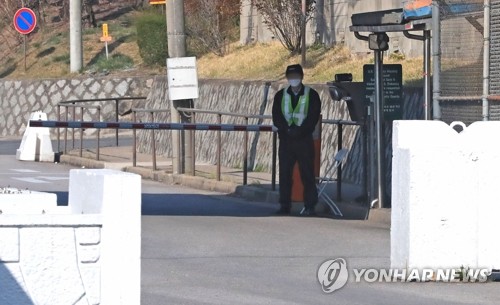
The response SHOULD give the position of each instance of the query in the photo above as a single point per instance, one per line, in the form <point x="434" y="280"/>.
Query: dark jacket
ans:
<point x="309" y="124"/>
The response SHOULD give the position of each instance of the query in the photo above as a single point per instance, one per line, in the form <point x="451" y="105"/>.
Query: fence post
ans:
<point x="117" y="102"/>
<point x="134" y="152"/>
<point x="193" y="150"/>
<point x="339" y="170"/>
<point x="153" y="140"/>
<point x="66" y="132"/>
<point x="59" y="129"/>
<point x="275" y="149"/>
<point x="74" y="118"/>
<point x="219" y="144"/>
<point x="98" y="152"/>
<point x="245" y="157"/>
<point x="81" y="133"/>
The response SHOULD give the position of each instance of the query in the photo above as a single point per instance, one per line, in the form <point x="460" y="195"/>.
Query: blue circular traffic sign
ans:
<point x="25" y="21"/>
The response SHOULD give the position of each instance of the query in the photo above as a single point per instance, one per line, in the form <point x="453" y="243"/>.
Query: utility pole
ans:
<point x="181" y="141"/>
<point x="303" y="31"/>
<point x="75" y="35"/>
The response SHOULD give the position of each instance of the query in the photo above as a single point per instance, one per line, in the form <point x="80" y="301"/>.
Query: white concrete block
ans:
<point x="89" y="254"/>
<point x="53" y="251"/>
<point x="14" y="201"/>
<point x="91" y="277"/>
<point x="117" y="196"/>
<point x="88" y="235"/>
<point x="445" y="198"/>
<point x="36" y="144"/>
<point x="9" y="245"/>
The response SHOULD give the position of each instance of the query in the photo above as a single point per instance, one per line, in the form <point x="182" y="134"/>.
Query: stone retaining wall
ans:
<point x="19" y="98"/>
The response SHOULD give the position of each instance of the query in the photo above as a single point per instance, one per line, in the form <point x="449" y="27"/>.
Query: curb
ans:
<point x="382" y="216"/>
<point x="247" y="192"/>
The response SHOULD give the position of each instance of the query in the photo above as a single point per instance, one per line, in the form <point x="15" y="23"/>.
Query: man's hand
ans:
<point x="294" y="132"/>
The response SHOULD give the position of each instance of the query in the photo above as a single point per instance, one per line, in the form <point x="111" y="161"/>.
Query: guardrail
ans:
<point x="74" y="104"/>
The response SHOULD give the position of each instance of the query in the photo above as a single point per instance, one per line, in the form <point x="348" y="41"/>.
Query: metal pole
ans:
<point x="219" y="146"/>
<point x="66" y="132"/>
<point x="274" y="160"/>
<point x="58" y="129"/>
<point x="117" y="102"/>
<point x="486" y="61"/>
<point x="73" y="113"/>
<point x="436" y="60"/>
<point x="427" y="75"/>
<point x="75" y="35"/>
<point x="134" y="152"/>
<point x="339" y="170"/>
<point x="153" y="140"/>
<point x="303" y="31"/>
<point x="98" y="152"/>
<point x="25" y="66"/>
<point x="245" y="156"/>
<point x="81" y="133"/>
<point x="193" y="147"/>
<point x="379" y="116"/>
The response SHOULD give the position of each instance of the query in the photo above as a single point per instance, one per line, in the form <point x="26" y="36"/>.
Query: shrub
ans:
<point x="152" y="38"/>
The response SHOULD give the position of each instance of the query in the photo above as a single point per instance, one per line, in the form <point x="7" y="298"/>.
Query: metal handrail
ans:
<point x="339" y="123"/>
<point x="116" y="100"/>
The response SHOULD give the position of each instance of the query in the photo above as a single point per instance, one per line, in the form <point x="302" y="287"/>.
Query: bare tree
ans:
<point x="210" y="23"/>
<point x="284" y="19"/>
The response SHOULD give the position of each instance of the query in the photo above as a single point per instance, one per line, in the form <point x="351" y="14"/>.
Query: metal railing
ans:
<point x="74" y="104"/>
<point x="339" y="123"/>
<point x="219" y="114"/>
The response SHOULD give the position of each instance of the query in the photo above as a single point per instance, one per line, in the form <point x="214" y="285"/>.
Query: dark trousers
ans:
<point x="301" y="151"/>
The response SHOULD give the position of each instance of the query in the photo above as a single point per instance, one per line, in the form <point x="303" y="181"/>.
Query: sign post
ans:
<point x="105" y="37"/>
<point x="393" y="89"/>
<point x="24" y="23"/>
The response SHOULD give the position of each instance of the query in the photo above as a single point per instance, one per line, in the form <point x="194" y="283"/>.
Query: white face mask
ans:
<point x="294" y="82"/>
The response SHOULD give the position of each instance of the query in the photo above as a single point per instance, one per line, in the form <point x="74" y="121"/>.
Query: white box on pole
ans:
<point x="182" y="78"/>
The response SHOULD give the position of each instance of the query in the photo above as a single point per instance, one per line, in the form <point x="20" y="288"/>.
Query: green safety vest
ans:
<point x="298" y="115"/>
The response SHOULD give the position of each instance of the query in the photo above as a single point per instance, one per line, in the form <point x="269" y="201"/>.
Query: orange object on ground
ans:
<point x="297" y="186"/>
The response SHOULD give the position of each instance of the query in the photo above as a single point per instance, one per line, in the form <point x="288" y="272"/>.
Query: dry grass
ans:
<point x="268" y="62"/>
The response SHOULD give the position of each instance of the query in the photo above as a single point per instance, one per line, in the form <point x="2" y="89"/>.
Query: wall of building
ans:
<point x="330" y="24"/>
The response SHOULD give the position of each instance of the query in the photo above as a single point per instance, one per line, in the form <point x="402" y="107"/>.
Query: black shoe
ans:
<point x="308" y="212"/>
<point x="283" y="211"/>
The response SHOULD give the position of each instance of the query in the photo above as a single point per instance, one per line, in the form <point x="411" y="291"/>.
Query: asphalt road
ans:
<point x="202" y="247"/>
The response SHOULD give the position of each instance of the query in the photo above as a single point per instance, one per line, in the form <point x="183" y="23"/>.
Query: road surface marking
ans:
<point x="31" y="180"/>
<point x="24" y="171"/>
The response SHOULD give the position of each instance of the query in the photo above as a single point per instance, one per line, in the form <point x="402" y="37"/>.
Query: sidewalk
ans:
<point x="258" y="188"/>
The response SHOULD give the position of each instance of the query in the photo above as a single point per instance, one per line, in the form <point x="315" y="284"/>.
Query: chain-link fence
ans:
<point x="462" y="59"/>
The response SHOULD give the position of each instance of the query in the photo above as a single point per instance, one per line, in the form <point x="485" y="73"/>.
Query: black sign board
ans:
<point x="393" y="89"/>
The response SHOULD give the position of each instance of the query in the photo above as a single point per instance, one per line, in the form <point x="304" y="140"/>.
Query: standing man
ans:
<point x="296" y="111"/>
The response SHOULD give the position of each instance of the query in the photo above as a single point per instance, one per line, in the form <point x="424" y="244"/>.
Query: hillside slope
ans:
<point x="48" y="55"/>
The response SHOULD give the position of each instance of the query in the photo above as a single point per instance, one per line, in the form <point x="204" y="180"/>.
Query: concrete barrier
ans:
<point x="86" y="253"/>
<point x="445" y="196"/>
<point x="36" y="144"/>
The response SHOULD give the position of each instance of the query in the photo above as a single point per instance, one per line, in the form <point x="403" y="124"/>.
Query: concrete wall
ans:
<point x="445" y="196"/>
<point x="85" y="254"/>
<point x="18" y="99"/>
<point x="331" y="22"/>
